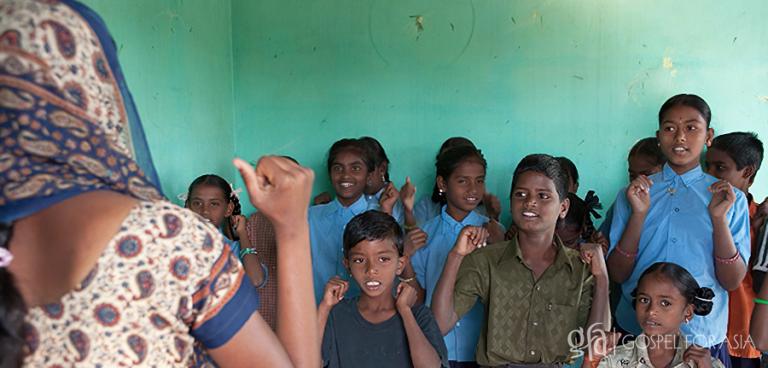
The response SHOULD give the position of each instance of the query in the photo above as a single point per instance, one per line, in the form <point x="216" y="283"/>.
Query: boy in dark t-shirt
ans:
<point x="376" y="329"/>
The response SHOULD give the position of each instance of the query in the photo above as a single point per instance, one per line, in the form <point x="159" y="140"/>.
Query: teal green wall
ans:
<point x="583" y="79"/>
<point x="177" y="60"/>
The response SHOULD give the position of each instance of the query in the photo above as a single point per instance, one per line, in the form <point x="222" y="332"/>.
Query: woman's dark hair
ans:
<point x="12" y="311"/>
<point x="229" y="195"/>
<point x="448" y="144"/>
<point x="450" y="159"/>
<point x="372" y="225"/>
<point x="648" y="147"/>
<point x="377" y="153"/>
<point x="580" y="213"/>
<point x="546" y="165"/>
<point x="689" y="100"/>
<point x="570" y="169"/>
<point x="700" y="297"/>
<point x="354" y="145"/>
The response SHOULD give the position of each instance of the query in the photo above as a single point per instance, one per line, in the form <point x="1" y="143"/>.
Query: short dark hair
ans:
<point x="372" y="225"/>
<point x="376" y="152"/>
<point x="350" y="144"/>
<point x="744" y="148"/>
<point x="648" y="147"/>
<point x="546" y="165"/>
<point x="570" y="168"/>
<point x="689" y="100"/>
<point x="700" y="297"/>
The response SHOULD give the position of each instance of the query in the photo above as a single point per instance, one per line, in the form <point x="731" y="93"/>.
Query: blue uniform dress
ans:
<point x="428" y="263"/>
<point x="678" y="229"/>
<point x="326" y="229"/>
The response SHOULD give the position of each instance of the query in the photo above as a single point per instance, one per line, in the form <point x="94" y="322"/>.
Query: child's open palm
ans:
<point x="279" y="188"/>
<point x="470" y="238"/>
<point x="334" y="291"/>
<point x="723" y="198"/>
<point x="639" y="195"/>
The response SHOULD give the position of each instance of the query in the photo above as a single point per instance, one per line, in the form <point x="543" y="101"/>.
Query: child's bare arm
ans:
<point x="469" y="239"/>
<point x="251" y="261"/>
<point x="408" y="198"/>
<point x="599" y="313"/>
<point x="758" y="328"/>
<point x="621" y="262"/>
<point x="409" y="276"/>
<point x="334" y="292"/>
<point x="729" y="267"/>
<point x="423" y="354"/>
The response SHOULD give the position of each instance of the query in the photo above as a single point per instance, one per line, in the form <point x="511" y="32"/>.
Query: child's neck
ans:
<point x="538" y="250"/>
<point x="456" y="213"/>
<point x="682" y="169"/>
<point x="376" y="309"/>
<point x="662" y="349"/>
<point x="348" y="202"/>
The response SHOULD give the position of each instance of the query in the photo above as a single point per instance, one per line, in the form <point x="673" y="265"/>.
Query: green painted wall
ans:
<point x="583" y="79"/>
<point x="177" y="60"/>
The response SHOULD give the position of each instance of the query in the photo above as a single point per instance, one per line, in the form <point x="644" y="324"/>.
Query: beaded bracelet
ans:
<point x="761" y="301"/>
<point x="408" y="279"/>
<point x="246" y="251"/>
<point x="731" y="260"/>
<point x="625" y="253"/>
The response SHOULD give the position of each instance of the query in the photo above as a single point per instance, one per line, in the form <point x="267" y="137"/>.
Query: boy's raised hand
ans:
<point x="388" y="198"/>
<point x="470" y="238"/>
<point x="592" y="254"/>
<point x="334" y="291"/>
<point x="639" y="195"/>
<point x="723" y="198"/>
<point x="492" y="206"/>
<point x="408" y="194"/>
<point x="406" y="296"/>
<point x="279" y="188"/>
<point x="414" y="240"/>
<point x="698" y="357"/>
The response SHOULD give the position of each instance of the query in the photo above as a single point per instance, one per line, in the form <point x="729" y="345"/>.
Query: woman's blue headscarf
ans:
<point x="68" y="124"/>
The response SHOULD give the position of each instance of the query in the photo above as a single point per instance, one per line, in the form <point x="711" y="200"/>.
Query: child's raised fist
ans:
<point x="639" y="194"/>
<point x="723" y="198"/>
<point x="470" y="238"/>
<point x="406" y="296"/>
<point x="334" y="291"/>
<point x="279" y="188"/>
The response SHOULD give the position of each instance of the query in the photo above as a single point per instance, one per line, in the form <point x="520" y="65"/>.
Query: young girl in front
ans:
<point x="212" y="197"/>
<point x="667" y="297"/>
<point x="685" y="216"/>
<point x="535" y="290"/>
<point x="461" y="184"/>
<point x="350" y="168"/>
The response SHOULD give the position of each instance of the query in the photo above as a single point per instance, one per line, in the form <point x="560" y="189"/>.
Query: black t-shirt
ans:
<point x="350" y="341"/>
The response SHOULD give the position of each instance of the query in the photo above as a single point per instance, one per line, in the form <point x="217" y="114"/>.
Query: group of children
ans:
<point x="676" y="266"/>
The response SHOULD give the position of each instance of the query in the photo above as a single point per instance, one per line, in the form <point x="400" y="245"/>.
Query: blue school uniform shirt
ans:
<point x="425" y="210"/>
<point x="678" y="229"/>
<point x="397" y="210"/>
<point x="428" y="262"/>
<point x="326" y="229"/>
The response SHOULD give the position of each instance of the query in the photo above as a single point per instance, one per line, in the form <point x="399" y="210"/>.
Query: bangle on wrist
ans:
<point x="408" y="279"/>
<point x="624" y="253"/>
<point x="761" y="301"/>
<point x="731" y="260"/>
<point x="246" y="251"/>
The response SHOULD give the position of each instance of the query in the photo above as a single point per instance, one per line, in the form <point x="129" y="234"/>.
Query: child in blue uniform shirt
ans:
<point x="685" y="216"/>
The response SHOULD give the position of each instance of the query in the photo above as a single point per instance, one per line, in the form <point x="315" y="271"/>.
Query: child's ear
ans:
<point x="441" y="184"/>
<point x="749" y="170"/>
<point x="564" y="206"/>
<point x="710" y="136"/>
<point x="688" y="313"/>
<point x="230" y="209"/>
<point x="345" y="261"/>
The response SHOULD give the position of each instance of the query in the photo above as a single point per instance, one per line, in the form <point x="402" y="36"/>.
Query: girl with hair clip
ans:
<point x="96" y="268"/>
<point x="212" y="197"/>
<point x="667" y="296"/>
<point x="577" y="226"/>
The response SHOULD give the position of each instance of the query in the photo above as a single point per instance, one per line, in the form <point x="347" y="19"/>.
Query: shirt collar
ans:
<point x="512" y="252"/>
<point x="689" y="177"/>
<point x="356" y="208"/>
<point x="471" y="219"/>
<point x="375" y="196"/>
<point x="642" y="351"/>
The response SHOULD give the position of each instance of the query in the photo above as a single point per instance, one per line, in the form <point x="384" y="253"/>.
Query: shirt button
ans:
<point x="549" y="307"/>
<point x="458" y="324"/>
<point x="535" y="324"/>
<point x="674" y="240"/>
<point x="677" y="209"/>
<point x="533" y="352"/>
<point x="538" y="287"/>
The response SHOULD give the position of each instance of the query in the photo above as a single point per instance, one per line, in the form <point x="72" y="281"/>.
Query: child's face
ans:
<point x="641" y="165"/>
<point x="464" y="188"/>
<point x="535" y="203"/>
<point x="721" y="165"/>
<point x="208" y="201"/>
<point x="660" y="307"/>
<point x="376" y="181"/>
<point x="682" y="135"/>
<point x="374" y="264"/>
<point x="349" y="175"/>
